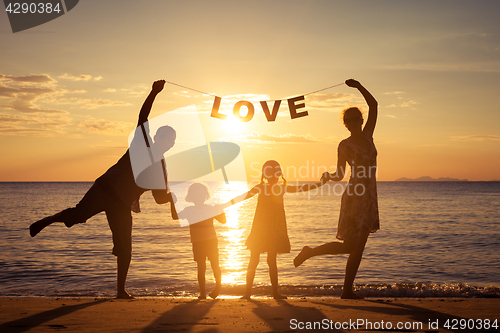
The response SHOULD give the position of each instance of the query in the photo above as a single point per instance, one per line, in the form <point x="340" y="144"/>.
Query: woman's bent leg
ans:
<point x="328" y="248"/>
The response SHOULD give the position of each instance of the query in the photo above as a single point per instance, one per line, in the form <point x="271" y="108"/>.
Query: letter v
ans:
<point x="265" y="108"/>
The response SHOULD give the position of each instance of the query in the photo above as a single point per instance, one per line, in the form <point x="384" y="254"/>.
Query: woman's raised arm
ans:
<point x="372" y="106"/>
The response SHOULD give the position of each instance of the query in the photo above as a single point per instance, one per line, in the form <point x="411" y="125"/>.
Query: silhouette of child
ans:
<point x="269" y="230"/>
<point x="203" y="237"/>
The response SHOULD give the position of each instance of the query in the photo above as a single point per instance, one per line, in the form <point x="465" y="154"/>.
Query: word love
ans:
<point x="293" y="106"/>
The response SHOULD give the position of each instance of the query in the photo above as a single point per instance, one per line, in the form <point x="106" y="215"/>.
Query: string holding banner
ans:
<point x="294" y="105"/>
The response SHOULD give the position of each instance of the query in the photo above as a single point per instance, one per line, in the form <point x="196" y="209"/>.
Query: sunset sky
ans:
<point x="71" y="89"/>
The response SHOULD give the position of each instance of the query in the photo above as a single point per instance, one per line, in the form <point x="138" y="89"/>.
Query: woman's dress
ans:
<point x="359" y="204"/>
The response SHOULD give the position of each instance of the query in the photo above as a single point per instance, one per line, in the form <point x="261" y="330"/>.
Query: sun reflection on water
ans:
<point x="233" y="253"/>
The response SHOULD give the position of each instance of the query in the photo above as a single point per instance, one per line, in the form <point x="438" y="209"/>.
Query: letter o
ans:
<point x="250" y="113"/>
<point x="356" y="190"/>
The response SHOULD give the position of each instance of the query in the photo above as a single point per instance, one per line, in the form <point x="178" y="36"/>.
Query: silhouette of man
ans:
<point x="116" y="193"/>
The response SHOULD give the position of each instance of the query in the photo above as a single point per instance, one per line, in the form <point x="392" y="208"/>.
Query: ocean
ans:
<point x="437" y="239"/>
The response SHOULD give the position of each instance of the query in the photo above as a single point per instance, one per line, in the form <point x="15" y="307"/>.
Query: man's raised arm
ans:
<point x="148" y="103"/>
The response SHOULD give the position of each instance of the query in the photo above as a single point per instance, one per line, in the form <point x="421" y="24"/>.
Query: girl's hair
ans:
<point x="275" y="166"/>
<point x="352" y="112"/>
<point x="197" y="191"/>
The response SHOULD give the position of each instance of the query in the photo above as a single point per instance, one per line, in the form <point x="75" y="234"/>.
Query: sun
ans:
<point x="233" y="125"/>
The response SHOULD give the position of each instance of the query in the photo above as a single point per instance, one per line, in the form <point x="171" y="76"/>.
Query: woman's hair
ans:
<point x="273" y="167"/>
<point x="197" y="191"/>
<point x="350" y="113"/>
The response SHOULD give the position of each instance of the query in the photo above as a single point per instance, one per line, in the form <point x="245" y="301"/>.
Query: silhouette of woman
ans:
<point x="359" y="207"/>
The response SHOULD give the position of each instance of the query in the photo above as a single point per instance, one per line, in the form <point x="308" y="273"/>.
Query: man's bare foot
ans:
<point x="124" y="295"/>
<point x="38" y="226"/>
<point x="215" y="292"/>
<point x="302" y="256"/>
<point x="279" y="296"/>
<point x="350" y="295"/>
<point x="202" y="297"/>
<point x="246" y="296"/>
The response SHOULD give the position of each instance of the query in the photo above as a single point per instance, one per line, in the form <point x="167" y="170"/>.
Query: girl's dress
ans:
<point x="359" y="204"/>
<point x="269" y="231"/>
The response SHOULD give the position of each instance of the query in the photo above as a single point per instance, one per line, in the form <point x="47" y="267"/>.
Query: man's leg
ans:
<point x="123" y="264"/>
<point x="120" y="223"/>
<point x="91" y="204"/>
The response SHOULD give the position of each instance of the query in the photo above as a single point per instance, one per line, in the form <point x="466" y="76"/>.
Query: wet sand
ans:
<point x="235" y="315"/>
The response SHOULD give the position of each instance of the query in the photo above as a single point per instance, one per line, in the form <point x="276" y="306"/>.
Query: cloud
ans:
<point x="23" y="131"/>
<point x="141" y="90"/>
<point x="121" y="148"/>
<point x="403" y="105"/>
<point x="261" y="138"/>
<point x="390" y="116"/>
<point x="110" y="90"/>
<point x="329" y="102"/>
<point x="52" y="125"/>
<point x="394" y="93"/>
<point x="476" y="138"/>
<point x="7" y="92"/>
<point x="82" y="77"/>
<point x="24" y="98"/>
<point x="32" y="78"/>
<point x="87" y="103"/>
<point x="29" y="105"/>
<point x="491" y="66"/>
<point x="38" y="125"/>
<point x="106" y="127"/>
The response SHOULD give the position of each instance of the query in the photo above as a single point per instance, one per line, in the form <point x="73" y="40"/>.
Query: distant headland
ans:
<point x="430" y="179"/>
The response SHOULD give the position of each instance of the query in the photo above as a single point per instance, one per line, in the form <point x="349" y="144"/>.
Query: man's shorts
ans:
<point x="96" y="200"/>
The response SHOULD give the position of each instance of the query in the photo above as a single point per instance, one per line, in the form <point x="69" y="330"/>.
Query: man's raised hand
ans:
<point x="158" y="86"/>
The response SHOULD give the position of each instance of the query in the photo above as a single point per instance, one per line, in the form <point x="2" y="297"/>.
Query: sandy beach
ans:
<point x="256" y="315"/>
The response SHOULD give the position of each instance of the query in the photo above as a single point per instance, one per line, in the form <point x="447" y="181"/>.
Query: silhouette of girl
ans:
<point x="269" y="231"/>
<point x="359" y="207"/>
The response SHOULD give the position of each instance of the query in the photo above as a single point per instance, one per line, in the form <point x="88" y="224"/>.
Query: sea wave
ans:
<point x="396" y="290"/>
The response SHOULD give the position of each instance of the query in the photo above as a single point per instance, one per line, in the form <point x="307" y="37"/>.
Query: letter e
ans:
<point x="293" y="107"/>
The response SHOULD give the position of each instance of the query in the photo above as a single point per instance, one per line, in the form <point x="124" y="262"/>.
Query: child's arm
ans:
<point x="244" y="196"/>
<point x="221" y="218"/>
<point x="182" y="214"/>
<point x="307" y="187"/>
